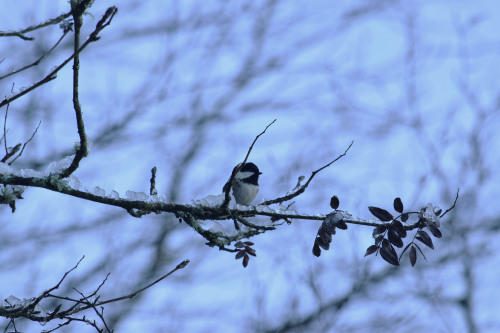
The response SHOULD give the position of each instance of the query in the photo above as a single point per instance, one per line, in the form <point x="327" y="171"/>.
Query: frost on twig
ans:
<point x="67" y="308"/>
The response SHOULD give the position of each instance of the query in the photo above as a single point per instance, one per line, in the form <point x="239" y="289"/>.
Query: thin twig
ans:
<point x="39" y="59"/>
<point x="5" y="122"/>
<point x="95" y="309"/>
<point x="178" y="267"/>
<point x="227" y="187"/>
<point x="104" y="22"/>
<point x="11" y="153"/>
<point x="152" y="189"/>
<point x="303" y="187"/>
<point x="48" y="291"/>
<point x="26" y="143"/>
<point x="20" y="33"/>
<point x="453" y="206"/>
<point x="5" y="127"/>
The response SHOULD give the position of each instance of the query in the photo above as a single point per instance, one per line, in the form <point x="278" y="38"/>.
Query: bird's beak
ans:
<point x="260" y="173"/>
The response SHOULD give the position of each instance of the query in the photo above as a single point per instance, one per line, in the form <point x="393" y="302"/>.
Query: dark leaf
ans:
<point x="328" y="227"/>
<point x="316" y="250"/>
<point x="379" y="239"/>
<point x="404" y="250"/>
<point x="325" y="236"/>
<point x="371" y="250"/>
<point x="250" y="251"/>
<point x="248" y="243"/>
<point x="413" y="256"/>
<point x="434" y="230"/>
<point x="420" y="250"/>
<point x="437" y="210"/>
<point x="322" y="244"/>
<point x="388" y="256"/>
<point x="425" y="238"/>
<point x="404" y="217"/>
<point x="239" y="244"/>
<point x="240" y="254"/>
<point x="380" y="213"/>
<point x="334" y="202"/>
<point x="380" y="229"/>
<point x="341" y="225"/>
<point x="246" y="258"/>
<point x="398" y="205"/>
<point x="387" y="245"/>
<point x="400" y="229"/>
<point x="394" y="238"/>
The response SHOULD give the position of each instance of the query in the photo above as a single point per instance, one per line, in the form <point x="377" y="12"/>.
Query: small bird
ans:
<point x="245" y="184"/>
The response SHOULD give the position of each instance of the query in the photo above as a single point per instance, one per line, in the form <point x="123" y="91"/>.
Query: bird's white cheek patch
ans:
<point x="242" y="175"/>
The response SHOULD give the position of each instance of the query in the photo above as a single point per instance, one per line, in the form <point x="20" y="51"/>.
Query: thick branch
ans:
<point x="191" y="214"/>
<point x="82" y="151"/>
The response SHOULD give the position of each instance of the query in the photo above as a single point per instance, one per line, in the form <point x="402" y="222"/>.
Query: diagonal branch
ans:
<point x="26" y="143"/>
<point x="453" y="206"/>
<point x="302" y="188"/>
<point x="48" y="291"/>
<point x="20" y="33"/>
<point x="68" y="29"/>
<point x="104" y="22"/>
<point x="178" y="267"/>
<point x="227" y="187"/>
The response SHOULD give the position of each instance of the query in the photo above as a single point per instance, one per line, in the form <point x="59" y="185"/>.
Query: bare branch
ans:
<point x="77" y="10"/>
<point x="152" y="190"/>
<point x="104" y="22"/>
<point x="39" y="59"/>
<point x="48" y="291"/>
<point x="4" y="137"/>
<point x="11" y="152"/>
<point x="92" y="304"/>
<point x="20" y="33"/>
<point x="227" y="187"/>
<point x="302" y="188"/>
<point x="453" y="206"/>
<point x="26" y="143"/>
<point x="183" y="264"/>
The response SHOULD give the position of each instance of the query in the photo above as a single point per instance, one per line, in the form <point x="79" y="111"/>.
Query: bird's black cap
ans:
<point x="250" y="167"/>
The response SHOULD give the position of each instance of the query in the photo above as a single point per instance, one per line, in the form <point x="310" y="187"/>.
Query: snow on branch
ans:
<point x="66" y="309"/>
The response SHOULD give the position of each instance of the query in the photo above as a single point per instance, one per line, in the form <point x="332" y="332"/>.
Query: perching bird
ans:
<point x="245" y="184"/>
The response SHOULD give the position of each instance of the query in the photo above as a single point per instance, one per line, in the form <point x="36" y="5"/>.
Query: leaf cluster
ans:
<point x="390" y="235"/>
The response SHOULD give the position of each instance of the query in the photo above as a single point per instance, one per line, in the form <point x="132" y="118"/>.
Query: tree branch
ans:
<point x="105" y="21"/>
<point x="20" y="33"/>
<point x="227" y="186"/>
<point x="302" y="188"/>
<point x="77" y="12"/>
<point x="68" y="29"/>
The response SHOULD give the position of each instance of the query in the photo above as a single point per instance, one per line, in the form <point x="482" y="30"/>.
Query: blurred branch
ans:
<point x="105" y="21"/>
<point x="20" y="33"/>
<point x="66" y="30"/>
